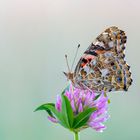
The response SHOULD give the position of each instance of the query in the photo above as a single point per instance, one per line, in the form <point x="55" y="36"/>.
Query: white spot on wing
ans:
<point x="104" y="72"/>
<point x="111" y="44"/>
<point x="94" y="62"/>
<point x="87" y="69"/>
<point x="108" y="54"/>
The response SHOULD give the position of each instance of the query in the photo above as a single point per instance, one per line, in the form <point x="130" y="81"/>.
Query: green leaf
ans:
<point x="44" y="107"/>
<point x="82" y="118"/>
<point x="50" y="108"/>
<point x="67" y="112"/>
<point x="63" y="92"/>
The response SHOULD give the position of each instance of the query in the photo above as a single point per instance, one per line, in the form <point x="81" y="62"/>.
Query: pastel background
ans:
<point x="34" y="37"/>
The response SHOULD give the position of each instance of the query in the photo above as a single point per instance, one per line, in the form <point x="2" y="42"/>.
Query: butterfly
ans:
<point x="102" y="66"/>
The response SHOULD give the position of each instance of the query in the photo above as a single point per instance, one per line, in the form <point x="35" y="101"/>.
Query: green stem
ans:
<point x="76" y="136"/>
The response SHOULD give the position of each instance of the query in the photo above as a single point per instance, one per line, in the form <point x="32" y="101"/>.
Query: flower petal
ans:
<point x="52" y="119"/>
<point x="80" y="109"/>
<point x="58" y="104"/>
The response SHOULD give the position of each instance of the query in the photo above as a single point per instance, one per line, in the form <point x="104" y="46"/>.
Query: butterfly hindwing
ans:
<point x="102" y="66"/>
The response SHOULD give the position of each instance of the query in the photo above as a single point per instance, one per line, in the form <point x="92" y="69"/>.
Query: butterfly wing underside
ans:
<point x="102" y="66"/>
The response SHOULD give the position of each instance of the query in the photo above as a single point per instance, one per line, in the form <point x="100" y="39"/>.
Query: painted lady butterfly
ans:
<point x="102" y="66"/>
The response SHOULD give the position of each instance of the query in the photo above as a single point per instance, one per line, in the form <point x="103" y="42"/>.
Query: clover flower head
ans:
<point x="80" y="101"/>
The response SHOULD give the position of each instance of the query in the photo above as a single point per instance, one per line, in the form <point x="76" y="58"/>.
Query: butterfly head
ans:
<point x="69" y="75"/>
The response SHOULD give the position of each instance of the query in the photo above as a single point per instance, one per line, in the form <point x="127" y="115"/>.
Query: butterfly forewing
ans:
<point x="102" y="66"/>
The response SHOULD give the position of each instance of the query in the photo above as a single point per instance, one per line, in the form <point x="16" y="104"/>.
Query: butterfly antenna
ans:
<point x="75" y="56"/>
<point x="67" y="62"/>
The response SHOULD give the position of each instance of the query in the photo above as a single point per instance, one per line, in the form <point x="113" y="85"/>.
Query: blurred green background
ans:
<point x="34" y="37"/>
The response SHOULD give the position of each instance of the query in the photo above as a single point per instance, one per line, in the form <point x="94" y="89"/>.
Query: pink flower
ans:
<point x="58" y="103"/>
<point x="54" y="120"/>
<point x="83" y="99"/>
